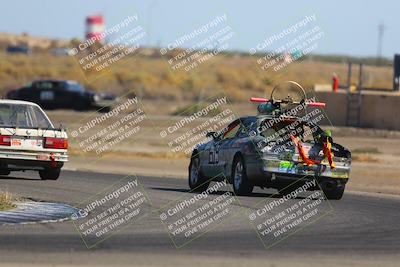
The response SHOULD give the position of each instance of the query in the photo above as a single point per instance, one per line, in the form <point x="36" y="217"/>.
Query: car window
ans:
<point x="283" y="130"/>
<point x="40" y="119"/>
<point x="231" y="130"/>
<point x="270" y="133"/>
<point x="268" y="130"/>
<point x="45" y="85"/>
<point x="248" y="125"/>
<point x="24" y="116"/>
<point x="74" y="87"/>
<point x="280" y="130"/>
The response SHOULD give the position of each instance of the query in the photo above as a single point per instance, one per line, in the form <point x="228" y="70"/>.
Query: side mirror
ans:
<point x="210" y="134"/>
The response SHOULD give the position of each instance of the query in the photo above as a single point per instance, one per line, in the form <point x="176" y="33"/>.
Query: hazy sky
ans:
<point x="350" y="26"/>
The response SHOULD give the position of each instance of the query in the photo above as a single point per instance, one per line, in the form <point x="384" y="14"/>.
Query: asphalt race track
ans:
<point x="362" y="229"/>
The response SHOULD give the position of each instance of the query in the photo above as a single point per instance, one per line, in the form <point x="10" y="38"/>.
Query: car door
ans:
<point x="26" y="93"/>
<point x="213" y="165"/>
<point x="73" y="95"/>
<point x="235" y="143"/>
<point x="29" y="93"/>
<point x="227" y="146"/>
<point x="63" y="95"/>
<point x="46" y="93"/>
<point x="210" y="158"/>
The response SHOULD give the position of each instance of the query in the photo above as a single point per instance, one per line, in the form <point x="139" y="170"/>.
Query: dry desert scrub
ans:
<point x="6" y="201"/>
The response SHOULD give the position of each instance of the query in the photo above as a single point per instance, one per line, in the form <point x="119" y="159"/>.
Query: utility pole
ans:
<point x="381" y="29"/>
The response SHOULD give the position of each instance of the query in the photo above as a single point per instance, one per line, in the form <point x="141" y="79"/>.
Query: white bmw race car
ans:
<point x="29" y="141"/>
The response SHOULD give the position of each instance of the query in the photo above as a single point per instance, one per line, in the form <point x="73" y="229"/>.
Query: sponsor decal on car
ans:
<point x="16" y="142"/>
<point x="42" y="157"/>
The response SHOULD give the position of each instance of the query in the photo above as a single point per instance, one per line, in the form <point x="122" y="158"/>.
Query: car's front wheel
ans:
<point x="196" y="180"/>
<point x="3" y="172"/>
<point x="50" y="174"/>
<point x="241" y="185"/>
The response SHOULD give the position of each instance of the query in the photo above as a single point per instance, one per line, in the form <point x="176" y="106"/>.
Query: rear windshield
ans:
<point x="24" y="116"/>
<point x="283" y="129"/>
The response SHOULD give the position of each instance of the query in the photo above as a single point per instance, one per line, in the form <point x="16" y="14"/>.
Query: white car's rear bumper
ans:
<point x="34" y="155"/>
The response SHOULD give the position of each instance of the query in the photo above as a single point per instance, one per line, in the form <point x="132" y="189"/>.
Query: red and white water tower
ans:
<point x="95" y="27"/>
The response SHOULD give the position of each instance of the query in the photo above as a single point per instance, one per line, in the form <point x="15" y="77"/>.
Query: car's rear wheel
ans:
<point x="50" y="174"/>
<point x="241" y="185"/>
<point x="335" y="193"/>
<point x="196" y="180"/>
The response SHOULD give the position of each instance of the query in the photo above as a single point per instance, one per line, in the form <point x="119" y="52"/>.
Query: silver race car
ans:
<point x="278" y="149"/>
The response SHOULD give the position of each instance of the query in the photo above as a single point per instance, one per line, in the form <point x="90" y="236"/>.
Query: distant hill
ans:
<point x="32" y="42"/>
<point x="149" y="74"/>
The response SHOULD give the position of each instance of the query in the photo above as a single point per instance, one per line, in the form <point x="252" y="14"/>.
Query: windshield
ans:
<point x="24" y="116"/>
<point x="46" y="85"/>
<point x="74" y="87"/>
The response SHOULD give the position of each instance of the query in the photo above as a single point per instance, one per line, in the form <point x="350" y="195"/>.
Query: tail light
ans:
<point x="5" y="140"/>
<point x="55" y="143"/>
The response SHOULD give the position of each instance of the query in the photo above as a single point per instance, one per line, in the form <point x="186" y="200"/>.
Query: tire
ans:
<point x="5" y="173"/>
<point x="80" y="105"/>
<point x="50" y="174"/>
<point x="197" y="182"/>
<point x="241" y="185"/>
<point x="286" y="190"/>
<point x="335" y="194"/>
<point x="104" y="110"/>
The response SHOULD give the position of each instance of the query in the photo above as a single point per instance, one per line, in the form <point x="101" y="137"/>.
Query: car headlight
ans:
<point x="96" y="98"/>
